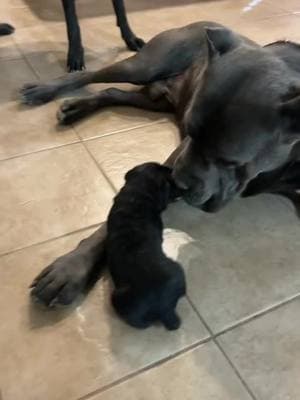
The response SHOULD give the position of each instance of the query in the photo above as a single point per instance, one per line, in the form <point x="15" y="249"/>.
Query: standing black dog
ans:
<point x="148" y="284"/>
<point x="75" y="60"/>
<point x="6" y="29"/>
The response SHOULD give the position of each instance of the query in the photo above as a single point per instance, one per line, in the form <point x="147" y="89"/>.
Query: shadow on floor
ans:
<point x="52" y="11"/>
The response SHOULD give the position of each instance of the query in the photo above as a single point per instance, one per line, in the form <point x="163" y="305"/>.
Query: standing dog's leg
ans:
<point x="6" y="29"/>
<point x="133" y="43"/>
<point x="73" y="110"/>
<point x="75" y="61"/>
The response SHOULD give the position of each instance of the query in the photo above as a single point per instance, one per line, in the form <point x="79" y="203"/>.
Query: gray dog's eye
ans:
<point x="227" y="163"/>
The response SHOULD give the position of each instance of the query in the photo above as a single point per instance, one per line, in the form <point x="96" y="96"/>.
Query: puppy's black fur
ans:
<point x="148" y="284"/>
<point x="6" y="29"/>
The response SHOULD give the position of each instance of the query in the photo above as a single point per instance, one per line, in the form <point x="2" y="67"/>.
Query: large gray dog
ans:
<point x="238" y="107"/>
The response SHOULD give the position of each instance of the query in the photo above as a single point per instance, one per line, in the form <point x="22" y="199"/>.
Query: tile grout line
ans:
<point x="147" y="368"/>
<point x="124" y="130"/>
<point x="234" y="368"/>
<point x="7" y="253"/>
<point x="213" y="337"/>
<point x="36" y="74"/>
<point x="245" y="321"/>
<point x="114" y="189"/>
<point x="50" y="148"/>
<point x="77" y="141"/>
<point x="257" y="315"/>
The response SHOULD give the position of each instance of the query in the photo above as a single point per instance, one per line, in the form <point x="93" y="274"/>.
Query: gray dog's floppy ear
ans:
<point x="220" y="40"/>
<point x="290" y="110"/>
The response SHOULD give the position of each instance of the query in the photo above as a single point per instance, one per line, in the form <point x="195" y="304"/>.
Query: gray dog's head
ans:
<point x="243" y="120"/>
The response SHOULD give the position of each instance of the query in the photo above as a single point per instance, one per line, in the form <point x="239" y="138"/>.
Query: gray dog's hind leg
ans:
<point x="73" y="110"/>
<point x="129" y="70"/>
<point x="167" y="54"/>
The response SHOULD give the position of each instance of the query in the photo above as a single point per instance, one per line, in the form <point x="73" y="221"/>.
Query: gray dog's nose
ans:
<point x="182" y="180"/>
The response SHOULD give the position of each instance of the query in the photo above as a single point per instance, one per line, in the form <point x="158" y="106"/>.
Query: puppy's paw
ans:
<point x="171" y="321"/>
<point x="134" y="43"/>
<point x="6" y="29"/>
<point x="37" y="94"/>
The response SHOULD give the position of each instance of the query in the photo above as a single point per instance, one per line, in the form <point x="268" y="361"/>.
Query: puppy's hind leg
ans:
<point x="171" y="320"/>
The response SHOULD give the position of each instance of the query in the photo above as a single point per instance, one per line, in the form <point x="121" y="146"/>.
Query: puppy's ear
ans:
<point x="129" y="175"/>
<point x="290" y="112"/>
<point x="132" y="172"/>
<point x="220" y="40"/>
<point x="139" y="169"/>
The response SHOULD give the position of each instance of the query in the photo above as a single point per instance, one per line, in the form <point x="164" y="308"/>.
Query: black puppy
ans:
<point x="6" y="29"/>
<point x="75" y="60"/>
<point x="148" y="284"/>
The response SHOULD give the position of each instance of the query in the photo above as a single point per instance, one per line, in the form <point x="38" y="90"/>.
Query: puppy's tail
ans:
<point x="6" y="29"/>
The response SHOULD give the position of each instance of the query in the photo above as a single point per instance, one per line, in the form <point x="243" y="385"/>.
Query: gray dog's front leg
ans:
<point x="69" y="275"/>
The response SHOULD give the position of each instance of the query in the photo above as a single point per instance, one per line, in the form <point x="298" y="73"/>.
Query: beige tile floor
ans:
<point x="240" y="337"/>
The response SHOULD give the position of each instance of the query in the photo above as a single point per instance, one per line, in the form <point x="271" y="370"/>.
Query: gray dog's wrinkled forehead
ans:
<point x="239" y="101"/>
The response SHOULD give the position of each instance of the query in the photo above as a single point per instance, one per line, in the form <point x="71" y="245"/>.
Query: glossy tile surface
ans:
<point x="67" y="353"/>
<point x="48" y="194"/>
<point x="242" y="264"/>
<point x="266" y="352"/>
<point x="203" y="371"/>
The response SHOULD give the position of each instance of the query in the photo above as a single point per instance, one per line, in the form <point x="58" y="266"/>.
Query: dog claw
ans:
<point x="60" y="283"/>
<point x="135" y="43"/>
<point x="75" y="59"/>
<point x="73" y="110"/>
<point x="37" y="94"/>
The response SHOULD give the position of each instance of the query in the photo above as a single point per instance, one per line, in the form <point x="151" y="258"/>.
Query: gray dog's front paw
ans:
<point x="61" y="282"/>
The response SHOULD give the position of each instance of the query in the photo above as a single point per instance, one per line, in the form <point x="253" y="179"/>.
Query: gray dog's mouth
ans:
<point x="213" y="204"/>
<point x="210" y="205"/>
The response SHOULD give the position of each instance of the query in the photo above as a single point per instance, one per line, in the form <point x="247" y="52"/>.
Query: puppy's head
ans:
<point x="144" y="307"/>
<point x="156" y="177"/>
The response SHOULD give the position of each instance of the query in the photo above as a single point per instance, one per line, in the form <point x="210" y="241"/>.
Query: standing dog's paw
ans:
<point x="60" y="283"/>
<point x="37" y="94"/>
<point x="6" y="29"/>
<point x="134" y="43"/>
<point x="75" y="61"/>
